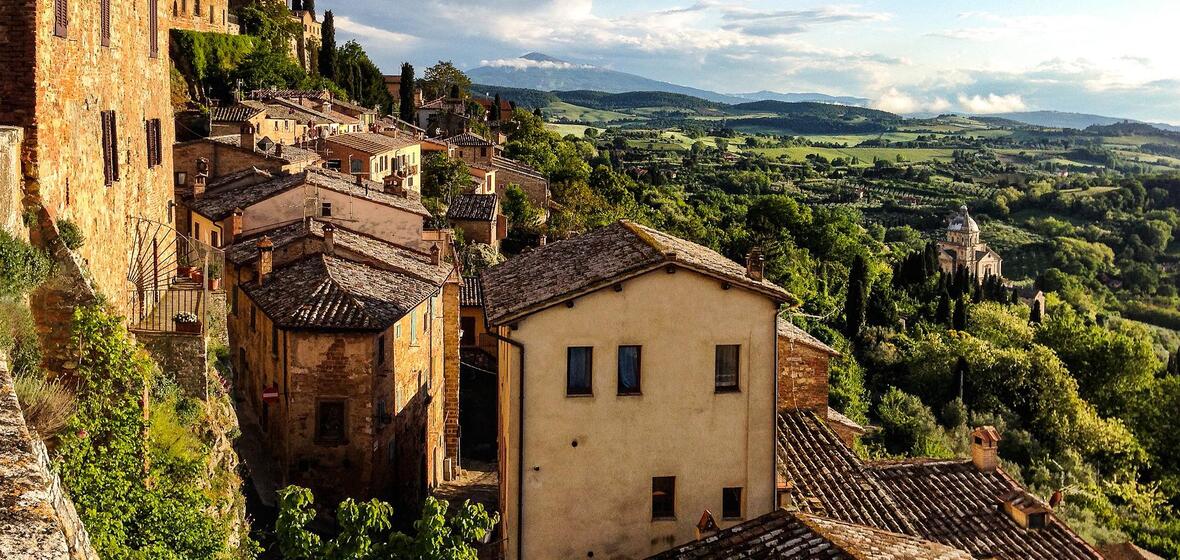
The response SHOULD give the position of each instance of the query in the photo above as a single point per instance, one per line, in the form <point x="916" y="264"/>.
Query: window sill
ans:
<point x="631" y="394"/>
<point x="723" y="390"/>
<point x="659" y="519"/>
<point x="733" y="518"/>
<point x="578" y="395"/>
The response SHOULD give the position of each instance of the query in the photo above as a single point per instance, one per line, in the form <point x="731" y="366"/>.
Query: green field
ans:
<point x="567" y="129"/>
<point x="561" y="110"/>
<point x="865" y="155"/>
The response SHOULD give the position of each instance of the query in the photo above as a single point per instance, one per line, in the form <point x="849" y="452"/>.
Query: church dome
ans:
<point x="963" y="222"/>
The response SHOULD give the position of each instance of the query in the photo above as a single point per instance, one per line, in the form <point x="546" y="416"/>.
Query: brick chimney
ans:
<point x="393" y="186"/>
<point x="755" y="264"/>
<point x="201" y="179"/>
<point x="266" y="249"/>
<point x="235" y="224"/>
<point x="985" y="442"/>
<point x="248" y="142"/>
<point x="329" y="239"/>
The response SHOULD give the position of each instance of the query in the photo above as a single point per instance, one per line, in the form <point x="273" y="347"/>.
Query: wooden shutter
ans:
<point x="108" y="172"/>
<point x="154" y="28"/>
<point x="104" y="10"/>
<point x="153" y="142"/>
<point x="61" y="17"/>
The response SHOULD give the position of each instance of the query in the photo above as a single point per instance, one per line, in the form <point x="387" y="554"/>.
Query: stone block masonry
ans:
<point x="37" y="518"/>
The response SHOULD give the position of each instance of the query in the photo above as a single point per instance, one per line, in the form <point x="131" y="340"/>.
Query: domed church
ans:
<point x="962" y="248"/>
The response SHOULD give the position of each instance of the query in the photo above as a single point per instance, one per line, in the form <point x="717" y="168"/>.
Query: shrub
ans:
<point x="908" y="427"/>
<point x="71" y="235"/>
<point x="22" y="266"/>
<point x="47" y="405"/>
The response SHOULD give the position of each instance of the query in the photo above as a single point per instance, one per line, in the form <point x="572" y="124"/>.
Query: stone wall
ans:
<point x="803" y="377"/>
<point x="182" y="357"/>
<point x="11" y="195"/>
<point x="201" y="15"/>
<point x="37" y="519"/>
<point x="450" y="303"/>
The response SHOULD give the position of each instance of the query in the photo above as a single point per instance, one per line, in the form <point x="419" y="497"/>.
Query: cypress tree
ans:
<point x="960" y="319"/>
<point x="309" y="6"/>
<point x="537" y="113"/>
<point x="495" y="117"/>
<point x="857" y="297"/>
<point x="1034" y="316"/>
<point x="328" y="47"/>
<point x="1015" y="296"/>
<point x="405" y="94"/>
<point x="1174" y="363"/>
<point x="943" y="314"/>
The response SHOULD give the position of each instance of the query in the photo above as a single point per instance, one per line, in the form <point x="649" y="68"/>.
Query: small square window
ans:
<point x="731" y="503"/>
<point x="326" y="209"/>
<point x="579" y="370"/>
<point x="181" y="178"/>
<point x="329" y="421"/>
<point x="663" y="497"/>
<point x="629" y="361"/>
<point x="726" y="378"/>
<point x="356" y="166"/>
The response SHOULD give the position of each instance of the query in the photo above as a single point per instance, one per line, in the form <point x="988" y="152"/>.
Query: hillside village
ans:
<point x="242" y="287"/>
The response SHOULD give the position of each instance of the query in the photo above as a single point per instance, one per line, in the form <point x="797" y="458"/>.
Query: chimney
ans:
<point x="542" y="240"/>
<point x="279" y="150"/>
<point x="247" y="140"/>
<point x="235" y="224"/>
<point x="201" y="178"/>
<point x="435" y="254"/>
<point x="706" y="525"/>
<point x="393" y="186"/>
<point x="360" y="180"/>
<point x="326" y="106"/>
<point x="984" y="448"/>
<point x="754" y="264"/>
<point x="329" y="239"/>
<point x="265" y="258"/>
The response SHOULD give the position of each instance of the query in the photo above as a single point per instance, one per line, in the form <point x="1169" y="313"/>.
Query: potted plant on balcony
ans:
<point x="215" y="275"/>
<point x="187" y="322"/>
<point x="184" y="265"/>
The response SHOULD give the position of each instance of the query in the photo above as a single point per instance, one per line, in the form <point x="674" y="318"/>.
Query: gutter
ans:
<point x="519" y="446"/>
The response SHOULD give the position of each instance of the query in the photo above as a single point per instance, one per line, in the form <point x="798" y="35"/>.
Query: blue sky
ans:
<point x="984" y="56"/>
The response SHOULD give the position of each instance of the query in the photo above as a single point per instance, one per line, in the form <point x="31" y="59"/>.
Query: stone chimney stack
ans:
<point x="279" y="150"/>
<point x="393" y="186"/>
<point x="542" y="240"/>
<point x="755" y="264"/>
<point x="985" y="442"/>
<point x="248" y="142"/>
<point x="266" y="249"/>
<point x="329" y="239"/>
<point x="435" y="254"/>
<point x="235" y="224"/>
<point x="200" y="180"/>
<point x="360" y="180"/>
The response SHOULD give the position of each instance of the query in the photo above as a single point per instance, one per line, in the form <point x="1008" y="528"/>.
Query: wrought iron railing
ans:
<point x="170" y="277"/>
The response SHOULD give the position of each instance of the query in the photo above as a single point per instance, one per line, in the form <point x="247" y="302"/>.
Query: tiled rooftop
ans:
<point x="481" y="207"/>
<point x="331" y="293"/>
<point x="471" y="293"/>
<point x="793" y="332"/>
<point x="370" y="142"/>
<point x="785" y="535"/>
<point x="468" y="139"/>
<point x="598" y="258"/>
<point x="500" y="162"/>
<point x="219" y="204"/>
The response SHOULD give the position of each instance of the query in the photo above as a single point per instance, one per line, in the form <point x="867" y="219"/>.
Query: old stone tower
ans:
<point x="962" y="248"/>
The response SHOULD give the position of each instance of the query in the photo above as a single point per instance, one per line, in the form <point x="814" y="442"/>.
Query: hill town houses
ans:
<point x="635" y="394"/>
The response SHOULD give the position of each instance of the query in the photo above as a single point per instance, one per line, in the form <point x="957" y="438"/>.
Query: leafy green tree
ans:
<point x="442" y="78"/>
<point x="908" y="427"/>
<point x="405" y="107"/>
<point x="518" y="209"/>
<point x="270" y="21"/>
<point x="328" y="66"/>
<point x="444" y="177"/>
<point x="363" y="81"/>
<point x="365" y="530"/>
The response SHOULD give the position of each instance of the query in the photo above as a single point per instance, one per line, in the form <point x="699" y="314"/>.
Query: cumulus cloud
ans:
<point x="896" y="101"/>
<point x="347" y="25"/>
<point x="991" y="103"/>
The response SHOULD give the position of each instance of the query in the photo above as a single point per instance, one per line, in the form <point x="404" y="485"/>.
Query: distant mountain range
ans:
<point x="1059" y="119"/>
<point x="545" y="73"/>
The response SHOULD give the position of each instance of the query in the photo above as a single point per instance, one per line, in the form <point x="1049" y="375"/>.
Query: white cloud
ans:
<point x="346" y="24"/>
<point x="896" y="101"/>
<point x="991" y="103"/>
<point x="524" y="64"/>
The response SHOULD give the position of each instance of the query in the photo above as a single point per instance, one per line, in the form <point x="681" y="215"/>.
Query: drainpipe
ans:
<point x="519" y="446"/>
<point x="774" y="416"/>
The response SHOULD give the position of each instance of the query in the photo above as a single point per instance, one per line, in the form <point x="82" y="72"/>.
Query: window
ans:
<point x="197" y="231"/>
<point x="731" y="503"/>
<point x="329" y="422"/>
<point x="629" y="358"/>
<point x="326" y="209"/>
<point x="181" y="178"/>
<point x="153" y="27"/>
<point x="61" y="17"/>
<point x="233" y="300"/>
<point x="413" y="329"/>
<point x="483" y="152"/>
<point x="253" y="318"/>
<point x="579" y="370"/>
<point x="727" y="367"/>
<point x="104" y="16"/>
<point x="110" y="147"/>
<point x="274" y="340"/>
<point x="155" y="152"/>
<point x="215" y="238"/>
<point x="355" y="166"/>
<point x="380" y="349"/>
<point x="196" y="7"/>
<point x="467" y="326"/>
<point x="663" y="497"/>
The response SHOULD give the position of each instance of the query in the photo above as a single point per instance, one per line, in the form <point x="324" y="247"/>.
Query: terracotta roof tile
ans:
<point x="500" y="162"/>
<point x="481" y="207"/>
<point x="595" y="259"/>
<point x="471" y="293"/>
<point x="370" y="142"/>
<point x="219" y="204"/>
<point x="785" y="535"/>
<point x="793" y="332"/>
<point x="468" y="139"/>
<point x="326" y="292"/>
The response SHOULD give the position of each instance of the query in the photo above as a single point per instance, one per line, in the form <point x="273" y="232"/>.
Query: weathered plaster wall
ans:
<point x="679" y="426"/>
<point x="382" y="222"/>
